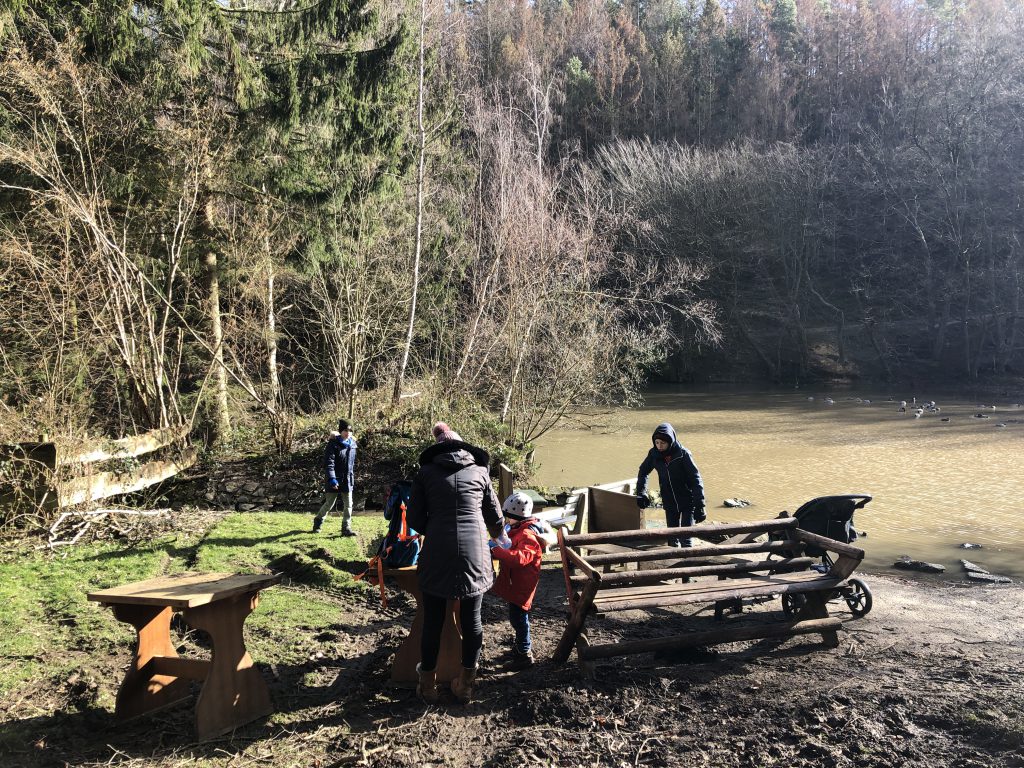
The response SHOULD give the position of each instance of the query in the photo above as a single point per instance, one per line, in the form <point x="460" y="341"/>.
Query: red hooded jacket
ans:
<point x="517" y="580"/>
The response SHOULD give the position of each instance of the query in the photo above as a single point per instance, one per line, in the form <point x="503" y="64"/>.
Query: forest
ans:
<point x="225" y="212"/>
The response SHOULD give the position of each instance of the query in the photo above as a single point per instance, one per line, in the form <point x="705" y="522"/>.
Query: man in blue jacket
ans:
<point x="339" y="466"/>
<point x="682" y="491"/>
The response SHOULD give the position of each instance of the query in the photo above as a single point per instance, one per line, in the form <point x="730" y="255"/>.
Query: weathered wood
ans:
<point x="104" y="484"/>
<point x="582" y="564"/>
<point x="701" y="592"/>
<point x="185" y="590"/>
<point x="574" y="626"/>
<point x="505" y="482"/>
<point x="653" y="576"/>
<point x="830" y="544"/>
<point x="613" y="511"/>
<point x="126" y="447"/>
<point x="570" y="596"/>
<point x="844" y="566"/>
<point x="713" y="529"/>
<point x="144" y="688"/>
<point x="712" y="637"/>
<point x="684" y="553"/>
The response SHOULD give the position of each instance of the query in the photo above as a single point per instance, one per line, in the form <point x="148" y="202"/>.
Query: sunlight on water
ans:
<point x="935" y="484"/>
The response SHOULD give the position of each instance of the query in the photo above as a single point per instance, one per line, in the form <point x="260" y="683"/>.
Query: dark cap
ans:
<point x="343" y="425"/>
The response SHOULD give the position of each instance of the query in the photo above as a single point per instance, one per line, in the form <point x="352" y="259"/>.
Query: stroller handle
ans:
<point x="864" y="499"/>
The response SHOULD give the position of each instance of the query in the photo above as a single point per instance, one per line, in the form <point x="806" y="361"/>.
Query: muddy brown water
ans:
<point x="935" y="484"/>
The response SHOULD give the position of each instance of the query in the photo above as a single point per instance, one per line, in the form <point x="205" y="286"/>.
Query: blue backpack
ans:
<point x="401" y="546"/>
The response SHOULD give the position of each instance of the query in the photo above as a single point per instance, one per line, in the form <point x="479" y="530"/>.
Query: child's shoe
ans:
<point x="521" y="661"/>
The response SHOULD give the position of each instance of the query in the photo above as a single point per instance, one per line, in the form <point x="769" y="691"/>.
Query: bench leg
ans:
<point x="143" y="690"/>
<point x="575" y="624"/>
<point x="816" y="607"/>
<point x="587" y="666"/>
<point x="234" y="692"/>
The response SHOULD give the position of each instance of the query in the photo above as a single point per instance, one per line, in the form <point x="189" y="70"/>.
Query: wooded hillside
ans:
<point x="211" y="209"/>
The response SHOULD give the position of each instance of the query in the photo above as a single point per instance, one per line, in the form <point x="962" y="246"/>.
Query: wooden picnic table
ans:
<point x="233" y="691"/>
<point x="449" y="658"/>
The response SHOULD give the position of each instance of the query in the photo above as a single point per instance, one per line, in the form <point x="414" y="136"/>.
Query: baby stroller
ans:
<point x="832" y="516"/>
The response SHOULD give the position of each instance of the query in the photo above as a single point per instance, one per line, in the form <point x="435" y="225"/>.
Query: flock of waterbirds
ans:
<point x="926" y="408"/>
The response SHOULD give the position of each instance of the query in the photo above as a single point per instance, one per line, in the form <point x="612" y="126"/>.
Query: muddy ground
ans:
<point x="933" y="676"/>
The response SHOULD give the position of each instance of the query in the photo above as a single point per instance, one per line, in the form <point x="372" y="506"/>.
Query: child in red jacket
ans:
<point x="517" y="579"/>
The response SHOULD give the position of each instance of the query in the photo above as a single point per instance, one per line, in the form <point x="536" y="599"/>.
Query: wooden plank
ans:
<point x="187" y="590"/>
<point x="707" y="585"/>
<point x="505" y="482"/>
<point x="685" y="553"/>
<point x="728" y="591"/>
<point x="582" y="564"/>
<point x="104" y="484"/>
<point x="614" y="511"/>
<point x="127" y="447"/>
<point x="570" y="596"/>
<point x="574" y="626"/>
<point x="709" y="529"/>
<point x="175" y="666"/>
<point x="660" y="574"/>
<point x="830" y="544"/>
<point x="712" y="637"/>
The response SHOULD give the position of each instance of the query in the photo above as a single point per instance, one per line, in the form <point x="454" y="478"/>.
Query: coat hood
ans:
<point x="665" y="429"/>
<point x="454" y="454"/>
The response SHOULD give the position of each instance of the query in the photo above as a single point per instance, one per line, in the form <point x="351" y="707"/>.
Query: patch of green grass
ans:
<point x="45" y="612"/>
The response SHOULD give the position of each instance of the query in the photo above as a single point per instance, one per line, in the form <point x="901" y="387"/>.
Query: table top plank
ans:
<point x="185" y="590"/>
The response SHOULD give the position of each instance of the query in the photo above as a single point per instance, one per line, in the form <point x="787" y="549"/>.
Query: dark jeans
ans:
<point x="520" y="621"/>
<point x="674" y="519"/>
<point x="434" y="609"/>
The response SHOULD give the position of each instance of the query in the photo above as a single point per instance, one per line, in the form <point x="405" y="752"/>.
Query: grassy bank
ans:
<point x="52" y="639"/>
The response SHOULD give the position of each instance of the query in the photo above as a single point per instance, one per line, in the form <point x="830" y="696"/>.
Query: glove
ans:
<point x="699" y="515"/>
<point x="643" y="501"/>
<point x="333" y="484"/>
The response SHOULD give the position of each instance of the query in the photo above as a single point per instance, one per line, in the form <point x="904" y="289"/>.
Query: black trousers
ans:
<point x="434" y="609"/>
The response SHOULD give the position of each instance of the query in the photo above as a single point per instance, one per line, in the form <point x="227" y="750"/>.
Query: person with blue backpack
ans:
<point x="339" y="481"/>
<point x="454" y="507"/>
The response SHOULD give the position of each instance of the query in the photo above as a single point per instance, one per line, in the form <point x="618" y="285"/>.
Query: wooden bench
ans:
<point x="756" y="575"/>
<point x="233" y="691"/>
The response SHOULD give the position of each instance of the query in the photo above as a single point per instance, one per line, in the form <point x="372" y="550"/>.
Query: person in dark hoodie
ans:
<point x="339" y="468"/>
<point x="454" y="507"/>
<point x="682" y="491"/>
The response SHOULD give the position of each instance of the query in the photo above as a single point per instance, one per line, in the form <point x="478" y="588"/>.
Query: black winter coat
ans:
<point x="455" y="508"/>
<point x="682" y="489"/>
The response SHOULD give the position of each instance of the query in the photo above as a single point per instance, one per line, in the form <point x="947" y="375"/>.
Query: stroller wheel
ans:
<point x="858" y="597"/>
<point x="791" y="604"/>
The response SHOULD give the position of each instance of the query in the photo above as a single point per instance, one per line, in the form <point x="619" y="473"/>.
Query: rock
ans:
<point x="245" y="507"/>
<point x="907" y="564"/>
<point x="968" y="545"/>
<point x="988" y="578"/>
<point x="735" y="503"/>
<point x="971" y="567"/>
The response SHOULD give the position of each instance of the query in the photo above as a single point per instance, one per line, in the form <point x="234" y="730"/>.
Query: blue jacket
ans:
<point x="340" y="462"/>
<point x="681" y="487"/>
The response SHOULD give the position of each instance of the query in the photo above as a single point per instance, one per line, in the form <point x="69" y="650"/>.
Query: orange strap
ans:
<point x="379" y="562"/>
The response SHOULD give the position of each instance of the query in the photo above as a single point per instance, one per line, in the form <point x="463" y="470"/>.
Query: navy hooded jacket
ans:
<point x="682" y="490"/>
<point x="340" y="462"/>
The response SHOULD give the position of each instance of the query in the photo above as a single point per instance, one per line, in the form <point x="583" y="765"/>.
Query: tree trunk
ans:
<point x="400" y="376"/>
<point x="222" y="417"/>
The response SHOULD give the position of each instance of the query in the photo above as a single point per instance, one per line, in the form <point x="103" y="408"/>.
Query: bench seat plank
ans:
<point x="710" y="592"/>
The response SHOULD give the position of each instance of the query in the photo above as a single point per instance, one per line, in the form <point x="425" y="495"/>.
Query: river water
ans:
<point x="935" y="484"/>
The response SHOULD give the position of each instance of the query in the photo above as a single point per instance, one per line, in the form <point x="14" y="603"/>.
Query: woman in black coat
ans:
<point x="454" y="507"/>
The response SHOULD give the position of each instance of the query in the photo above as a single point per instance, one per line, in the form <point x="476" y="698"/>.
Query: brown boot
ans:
<point x="426" y="688"/>
<point x="462" y="686"/>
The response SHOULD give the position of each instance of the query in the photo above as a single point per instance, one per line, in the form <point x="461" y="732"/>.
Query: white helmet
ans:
<point x="518" y="506"/>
